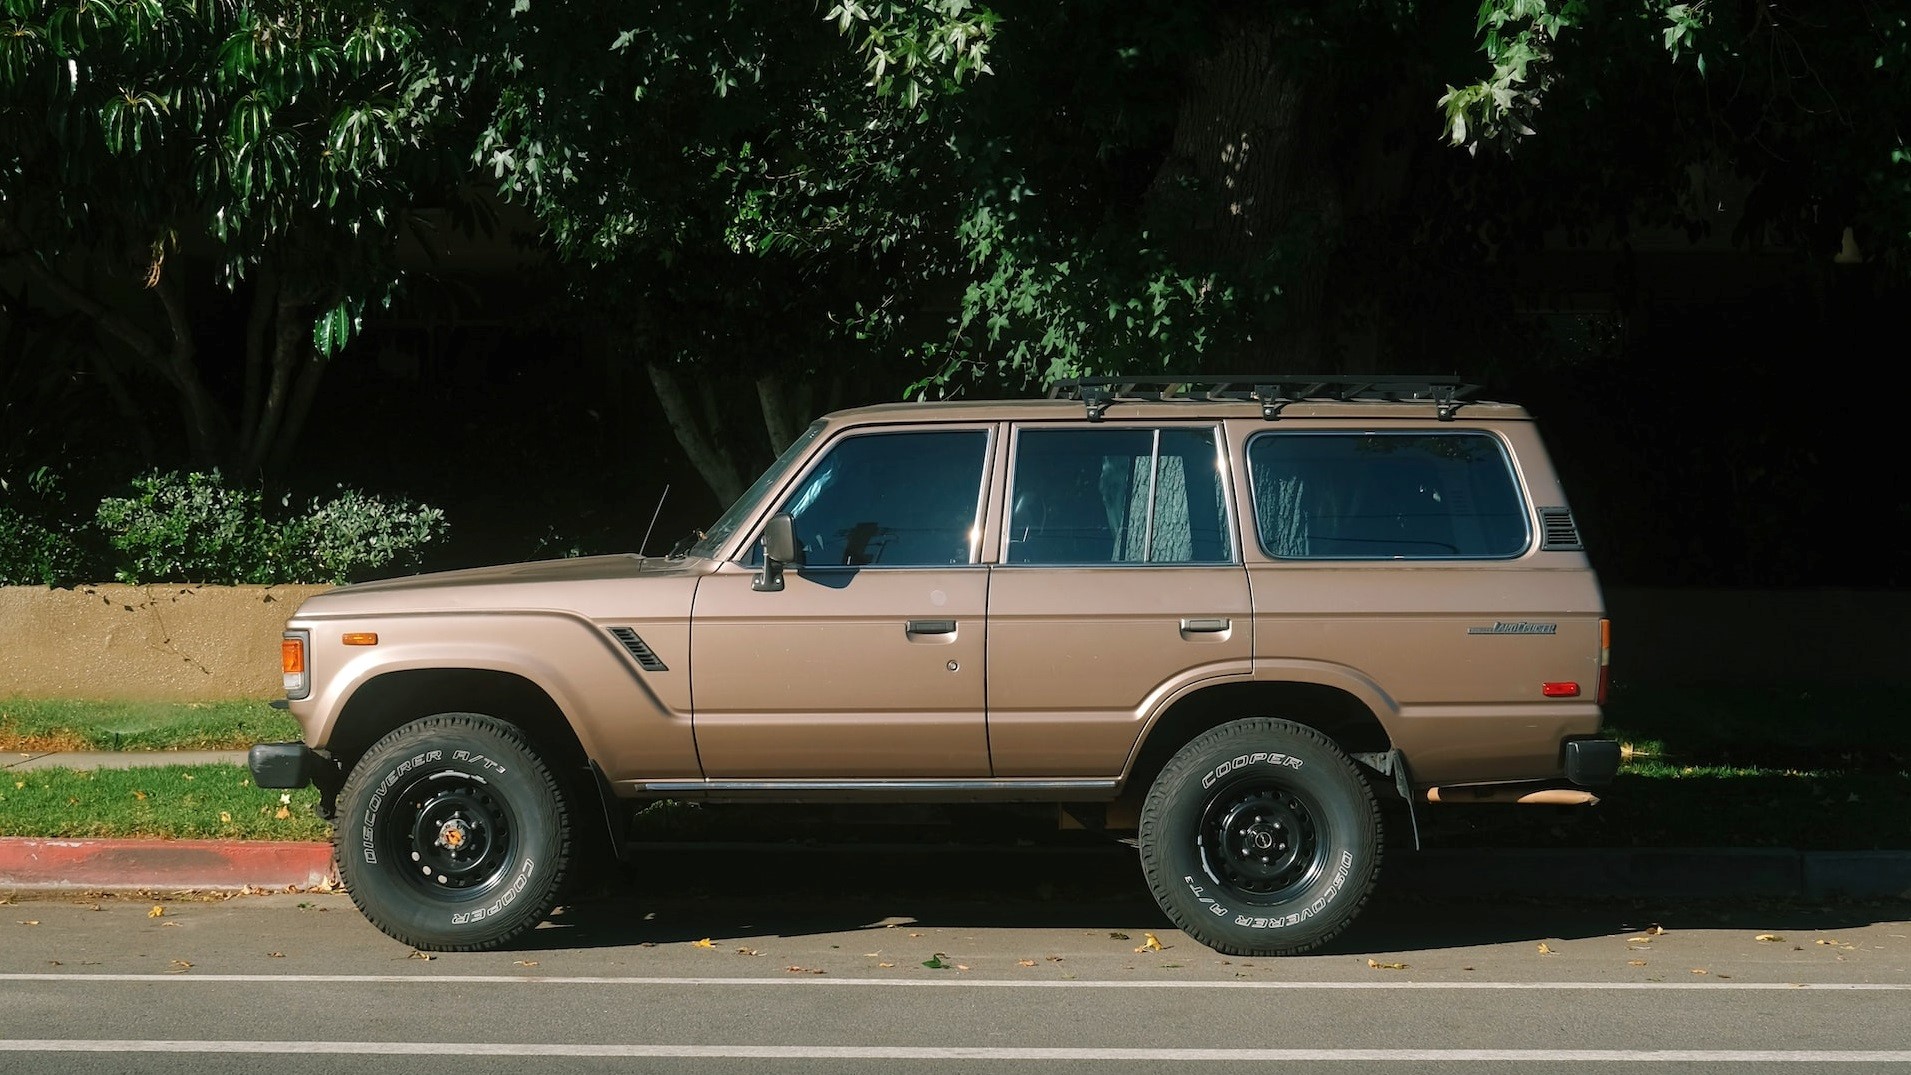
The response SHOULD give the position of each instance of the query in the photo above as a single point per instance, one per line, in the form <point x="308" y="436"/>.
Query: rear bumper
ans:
<point x="1592" y="763"/>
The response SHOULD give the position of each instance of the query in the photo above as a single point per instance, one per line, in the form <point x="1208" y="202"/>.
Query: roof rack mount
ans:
<point x="1273" y="390"/>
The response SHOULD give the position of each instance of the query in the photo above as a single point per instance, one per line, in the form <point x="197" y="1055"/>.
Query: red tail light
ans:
<point x="1605" y="659"/>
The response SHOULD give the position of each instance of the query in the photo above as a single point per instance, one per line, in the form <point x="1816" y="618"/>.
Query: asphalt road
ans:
<point x="814" y="963"/>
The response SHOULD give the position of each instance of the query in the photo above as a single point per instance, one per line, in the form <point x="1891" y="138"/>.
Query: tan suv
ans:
<point x="1226" y="617"/>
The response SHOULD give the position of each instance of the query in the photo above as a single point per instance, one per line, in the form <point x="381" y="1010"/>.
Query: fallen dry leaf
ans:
<point x="1638" y="940"/>
<point x="421" y="955"/>
<point x="225" y="817"/>
<point x="1378" y="965"/>
<point x="328" y="883"/>
<point x="885" y="964"/>
<point x="748" y="952"/>
<point x="275" y="955"/>
<point x="526" y="963"/>
<point x="1635" y="962"/>
<point x="140" y="795"/>
<point x="180" y="964"/>
<point x="156" y="912"/>
<point x="1054" y="959"/>
<point x="1825" y="940"/>
<point x="283" y="813"/>
<point x="794" y="969"/>
<point x="1700" y="970"/>
<point x="1545" y="949"/>
<point x="1025" y="963"/>
<point x="1768" y="937"/>
<point x="1152" y="944"/>
<point x="1657" y="931"/>
<point x="1117" y="935"/>
<point x="705" y="943"/>
<point x="30" y="922"/>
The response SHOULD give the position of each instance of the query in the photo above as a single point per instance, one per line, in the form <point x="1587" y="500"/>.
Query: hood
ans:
<point x="582" y="584"/>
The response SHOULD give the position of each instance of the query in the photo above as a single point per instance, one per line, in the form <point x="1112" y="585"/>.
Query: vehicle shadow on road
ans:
<point x="674" y="894"/>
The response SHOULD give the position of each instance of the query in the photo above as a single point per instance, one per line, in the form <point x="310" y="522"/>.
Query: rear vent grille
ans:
<point x="645" y="658"/>
<point x="1558" y="531"/>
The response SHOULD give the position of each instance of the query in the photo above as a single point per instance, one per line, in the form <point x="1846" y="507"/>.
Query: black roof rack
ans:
<point x="1273" y="390"/>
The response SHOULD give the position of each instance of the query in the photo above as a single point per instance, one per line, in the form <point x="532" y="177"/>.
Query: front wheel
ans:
<point x="453" y="834"/>
<point x="1260" y="838"/>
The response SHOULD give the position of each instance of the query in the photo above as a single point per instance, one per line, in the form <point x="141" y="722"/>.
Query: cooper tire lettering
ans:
<point x="462" y="837"/>
<point x="1260" y="837"/>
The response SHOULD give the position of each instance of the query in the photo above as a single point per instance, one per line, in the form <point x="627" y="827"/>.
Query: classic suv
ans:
<point x="1228" y="616"/>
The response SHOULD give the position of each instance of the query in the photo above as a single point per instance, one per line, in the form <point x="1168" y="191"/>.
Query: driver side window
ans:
<point x="892" y="500"/>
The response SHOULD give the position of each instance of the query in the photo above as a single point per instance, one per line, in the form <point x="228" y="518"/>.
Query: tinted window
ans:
<point x="1411" y="496"/>
<point x="892" y="499"/>
<point x="1117" y="496"/>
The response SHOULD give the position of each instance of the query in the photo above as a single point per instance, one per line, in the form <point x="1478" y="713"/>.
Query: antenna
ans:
<point x="645" y="544"/>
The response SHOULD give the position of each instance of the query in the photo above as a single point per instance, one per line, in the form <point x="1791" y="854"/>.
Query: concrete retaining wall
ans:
<point x="206" y="643"/>
<point x="171" y="643"/>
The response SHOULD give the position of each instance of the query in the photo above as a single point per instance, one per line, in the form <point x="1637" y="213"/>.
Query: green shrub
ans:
<point x="39" y="545"/>
<point x="33" y="553"/>
<point x="353" y="533"/>
<point x="193" y="528"/>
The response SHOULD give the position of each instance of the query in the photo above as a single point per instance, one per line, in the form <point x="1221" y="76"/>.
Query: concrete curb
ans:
<point x="1673" y="873"/>
<point x="110" y="865"/>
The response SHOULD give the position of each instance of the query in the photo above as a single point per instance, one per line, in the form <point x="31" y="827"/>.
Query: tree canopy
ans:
<point x="169" y="167"/>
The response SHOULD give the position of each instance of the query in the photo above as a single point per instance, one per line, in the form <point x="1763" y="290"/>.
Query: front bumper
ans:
<point x="295" y="765"/>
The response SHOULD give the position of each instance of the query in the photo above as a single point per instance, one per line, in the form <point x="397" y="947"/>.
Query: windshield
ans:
<point x="721" y="530"/>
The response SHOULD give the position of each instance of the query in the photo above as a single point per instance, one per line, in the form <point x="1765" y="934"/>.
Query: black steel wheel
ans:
<point x="453" y="835"/>
<point x="1261" y="838"/>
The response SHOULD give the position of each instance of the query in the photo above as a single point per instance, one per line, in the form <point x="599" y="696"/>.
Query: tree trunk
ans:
<point x="311" y="366"/>
<point x="205" y="426"/>
<point x="786" y="409"/>
<point x="701" y="436"/>
<point x="291" y="341"/>
<point x="1250" y="180"/>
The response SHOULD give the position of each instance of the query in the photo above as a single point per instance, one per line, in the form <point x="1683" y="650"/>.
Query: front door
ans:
<point x="869" y="662"/>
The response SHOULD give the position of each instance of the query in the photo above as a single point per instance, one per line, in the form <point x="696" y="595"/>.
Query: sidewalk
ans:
<point x="105" y="759"/>
<point x="28" y="864"/>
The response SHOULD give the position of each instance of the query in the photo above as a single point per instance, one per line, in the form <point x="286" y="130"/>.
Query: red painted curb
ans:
<point x="165" y="864"/>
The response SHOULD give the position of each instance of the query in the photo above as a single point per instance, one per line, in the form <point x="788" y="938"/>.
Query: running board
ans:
<point x="1489" y="793"/>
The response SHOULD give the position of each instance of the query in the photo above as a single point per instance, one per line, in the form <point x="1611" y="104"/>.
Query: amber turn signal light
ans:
<point x="292" y="655"/>
<point x="360" y="638"/>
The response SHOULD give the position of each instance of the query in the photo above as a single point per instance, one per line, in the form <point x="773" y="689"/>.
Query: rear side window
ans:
<point x="1386" y="496"/>
<point x="1118" y="496"/>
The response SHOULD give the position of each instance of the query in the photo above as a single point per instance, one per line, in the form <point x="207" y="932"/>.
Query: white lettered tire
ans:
<point x="452" y="834"/>
<point x="1260" y="838"/>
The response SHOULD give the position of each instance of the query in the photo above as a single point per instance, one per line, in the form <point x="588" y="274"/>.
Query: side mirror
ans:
<point x="779" y="548"/>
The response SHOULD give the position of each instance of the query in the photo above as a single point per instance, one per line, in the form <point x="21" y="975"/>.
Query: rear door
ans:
<point x="1120" y="583"/>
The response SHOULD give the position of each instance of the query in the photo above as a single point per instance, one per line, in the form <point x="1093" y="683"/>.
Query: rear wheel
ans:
<point x="453" y="835"/>
<point x="1261" y="838"/>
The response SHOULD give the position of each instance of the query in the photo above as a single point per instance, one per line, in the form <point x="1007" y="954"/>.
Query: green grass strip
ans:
<point x="36" y="724"/>
<point x="180" y="802"/>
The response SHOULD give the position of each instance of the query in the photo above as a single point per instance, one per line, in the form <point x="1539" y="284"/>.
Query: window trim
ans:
<point x="749" y="554"/>
<point x="1506" y="455"/>
<point x="1224" y="478"/>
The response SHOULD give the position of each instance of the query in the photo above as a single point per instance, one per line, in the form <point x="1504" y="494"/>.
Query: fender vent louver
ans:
<point x="645" y="658"/>
<point x="1558" y="532"/>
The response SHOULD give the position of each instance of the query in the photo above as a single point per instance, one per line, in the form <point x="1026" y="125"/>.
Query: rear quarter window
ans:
<point x="1324" y="495"/>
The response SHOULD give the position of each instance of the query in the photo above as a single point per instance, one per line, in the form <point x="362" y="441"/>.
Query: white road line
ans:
<point x="825" y="981"/>
<point x="905" y="1052"/>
